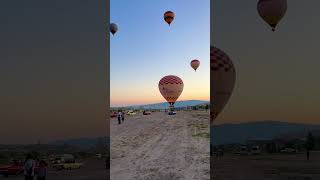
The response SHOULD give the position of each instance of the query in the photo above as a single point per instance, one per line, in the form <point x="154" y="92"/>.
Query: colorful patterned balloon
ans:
<point x="195" y="64"/>
<point x="222" y="77"/>
<point x="171" y="88"/>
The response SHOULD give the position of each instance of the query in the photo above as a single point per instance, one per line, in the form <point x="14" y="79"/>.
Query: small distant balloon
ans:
<point x="222" y="80"/>
<point x="171" y="88"/>
<point x="272" y="11"/>
<point x="169" y="17"/>
<point x="113" y="28"/>
<point x="195" y="64"/>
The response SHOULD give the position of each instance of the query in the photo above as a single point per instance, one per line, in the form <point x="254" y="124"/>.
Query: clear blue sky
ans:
<point x="145" y="49"/>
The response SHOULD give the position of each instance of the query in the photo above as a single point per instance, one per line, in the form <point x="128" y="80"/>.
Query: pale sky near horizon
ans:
<point x="145" y="49"/>
<point x="277" y="72"/>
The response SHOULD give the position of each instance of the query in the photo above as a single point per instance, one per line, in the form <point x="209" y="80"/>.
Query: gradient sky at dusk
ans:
<point x="277" y="72"/>
<point x="52" y="70"/>
<point x="145" y="49"/>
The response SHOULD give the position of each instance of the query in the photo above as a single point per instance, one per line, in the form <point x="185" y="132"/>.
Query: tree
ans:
<point x="310" y="143"/>
<point x="207" y="107"/>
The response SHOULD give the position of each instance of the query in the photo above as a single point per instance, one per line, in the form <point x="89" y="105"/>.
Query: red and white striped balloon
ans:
<point x="195" y="64"/>
<point x="171" y="88"/>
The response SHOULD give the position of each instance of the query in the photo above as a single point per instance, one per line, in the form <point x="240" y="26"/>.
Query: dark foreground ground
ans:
<point x="93" y="169"/>
<point x="267" y="167"/>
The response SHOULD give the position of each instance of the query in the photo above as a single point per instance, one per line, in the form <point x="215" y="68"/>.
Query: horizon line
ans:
<point x="156" y="103"/>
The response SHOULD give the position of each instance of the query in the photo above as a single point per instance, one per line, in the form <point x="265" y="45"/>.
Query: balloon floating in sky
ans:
<point x="272" y="11"/>
<point x="222" y="77"/>
<point x="168" y="17"/>
<point x="113" y="28"/>
<point x="195" y="64"/>
<point x="171" y="88"/>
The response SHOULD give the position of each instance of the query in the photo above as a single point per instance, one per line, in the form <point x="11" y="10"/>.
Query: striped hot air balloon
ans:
<point x="171" y="88"/>
<point x="272" y="11"/>
<point x="195" y="64"/>
<point x="222" y="77"/>
<point x="168" y="17"/>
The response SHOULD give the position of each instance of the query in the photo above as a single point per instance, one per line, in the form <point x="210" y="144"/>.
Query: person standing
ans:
<point x="29" y="165"/>
<point x="122" y="117"/>
<point x="119" y="117"/>
<point x="42" y="171"/>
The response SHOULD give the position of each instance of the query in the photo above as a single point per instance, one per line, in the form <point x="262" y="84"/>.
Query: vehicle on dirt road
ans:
<point x="244" y="150"/>
<point x="114" y="114"/>
<point x="68" y="165"/>
<point x="12" y="169"/>
<point x="255" y="150"/>
<point x="289" y="150"/>
<point x="172" y="113"/>
<point x="146" y="112"/>
<point x="131" y="112"/>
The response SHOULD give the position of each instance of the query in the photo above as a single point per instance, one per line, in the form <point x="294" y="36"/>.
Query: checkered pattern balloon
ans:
<point x="171" y="88"/>
<point x="222" y="77"/>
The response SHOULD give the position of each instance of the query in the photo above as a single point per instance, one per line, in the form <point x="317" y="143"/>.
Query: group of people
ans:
<point x="120" y="117"/>
<point x="31" y="169"/>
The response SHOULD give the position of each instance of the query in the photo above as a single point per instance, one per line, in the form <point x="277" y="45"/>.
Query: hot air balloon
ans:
<point x="272" y="11"/>
<point x="195" y="64"/>
<point x="171" y="87"/>
<point x="222" y="77"/>
<point x="168" y="17"/>
<point x="113" y="28"/>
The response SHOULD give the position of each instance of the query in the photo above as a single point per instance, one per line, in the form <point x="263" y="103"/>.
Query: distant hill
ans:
<point x="239" y="133"/>
<point x="83" y="142"/>
<point x="165" y="105"/>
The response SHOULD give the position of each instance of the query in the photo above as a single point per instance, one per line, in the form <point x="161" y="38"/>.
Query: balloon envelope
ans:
<point x="171" y="88"/>
<point x="195" y="64"/>
<point x="272" y="11"/>
<point x="222" y="77"/>
<point x="113" y="28"/>
<point x="168" y="17"/>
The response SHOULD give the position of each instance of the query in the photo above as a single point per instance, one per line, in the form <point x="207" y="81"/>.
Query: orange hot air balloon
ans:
<point x="222" y="77"/>
<point x="168" y="17"/>
<point x="171" y="88"/>
<point x="113" y="28"/>
<point x="272" y="11"/>
<point x="195" y="64"/>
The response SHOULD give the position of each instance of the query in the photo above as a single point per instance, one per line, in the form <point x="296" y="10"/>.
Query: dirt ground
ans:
<point x="267" y="167"/>
<point x="160" y="146"/>
<point x="93" y="169"/>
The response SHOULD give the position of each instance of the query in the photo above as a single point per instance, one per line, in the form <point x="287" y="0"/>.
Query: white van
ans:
<point x="255" y="150"/>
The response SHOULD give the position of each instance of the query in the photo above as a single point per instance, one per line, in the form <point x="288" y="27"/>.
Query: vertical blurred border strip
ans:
<point x="107" y="96"/>
<point x="211" y="87"/>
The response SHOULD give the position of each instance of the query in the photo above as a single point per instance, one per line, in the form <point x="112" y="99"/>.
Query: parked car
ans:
<point x="69" y="165"/>
<point x="146" y="112"/>
<point x="243" y="150"/>
<point x="131" y="112"/>
<point x="12" y="169"/>
<point x="172" y="113"/>
<point x="114" y="114"/>
<point x="255" y="150"/>
<point x="289" y="150"/>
